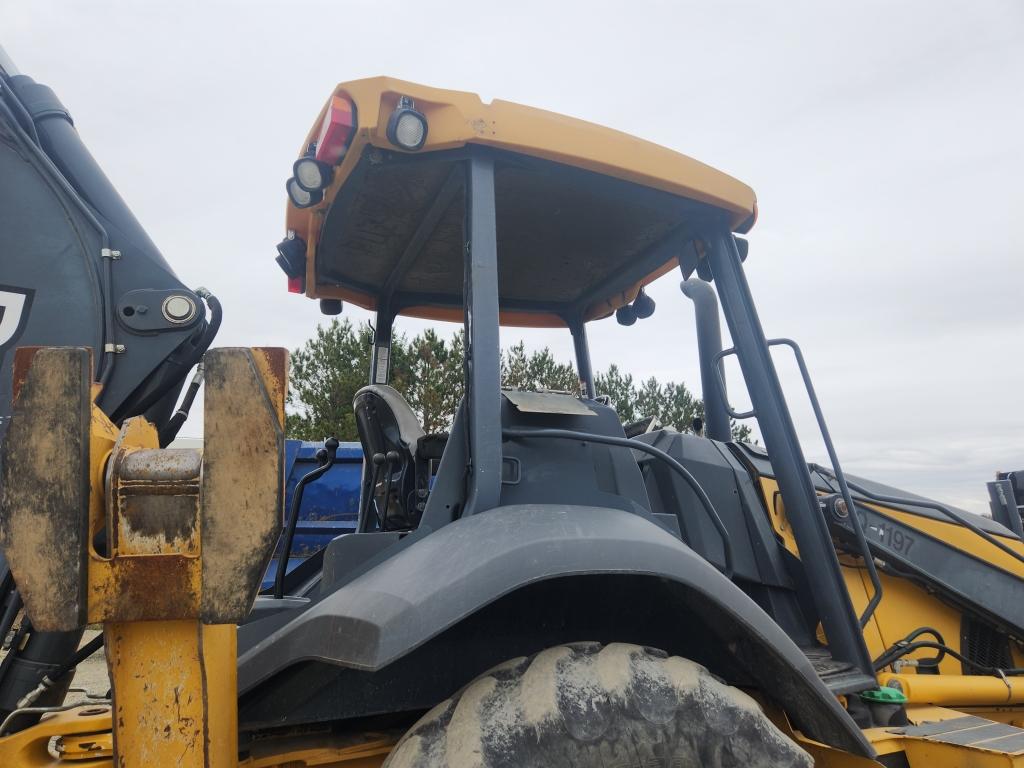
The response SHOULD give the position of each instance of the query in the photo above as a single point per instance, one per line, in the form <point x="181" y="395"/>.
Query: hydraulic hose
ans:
<point x="216" y="315"/>
<point x="170" y="430"/>
<point x="79" y="656"/>
<point x="899" y="649"/>
<point x="212" y="326"/>
<point x="325" y="458"/>
<point x="51" y="679"/>
<point x="10" y="614"/>
<point x="983" y="668"/>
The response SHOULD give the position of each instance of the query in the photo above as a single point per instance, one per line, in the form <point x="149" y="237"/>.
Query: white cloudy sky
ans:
<point x="883" y="139"/>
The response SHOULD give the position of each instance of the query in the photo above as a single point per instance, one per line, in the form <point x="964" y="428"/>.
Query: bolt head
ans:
<point x="841" y="508"/>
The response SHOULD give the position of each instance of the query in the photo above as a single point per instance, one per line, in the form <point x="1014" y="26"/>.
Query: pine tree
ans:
<point x="331" y="367"/>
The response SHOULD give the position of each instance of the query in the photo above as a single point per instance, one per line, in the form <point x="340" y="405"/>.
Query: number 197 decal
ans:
<point x="887" y="534"/>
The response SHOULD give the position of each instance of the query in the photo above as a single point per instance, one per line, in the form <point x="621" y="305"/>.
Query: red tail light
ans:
<point x="337" y="130"/>
<point x="297" y="284"/>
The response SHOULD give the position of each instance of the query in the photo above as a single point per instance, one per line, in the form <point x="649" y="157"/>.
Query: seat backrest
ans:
<point x="387" y="427"/>
<point x="385" y="421"/>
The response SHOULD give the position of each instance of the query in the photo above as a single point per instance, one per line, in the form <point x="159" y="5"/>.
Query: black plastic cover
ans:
<point x="449" y="574"/>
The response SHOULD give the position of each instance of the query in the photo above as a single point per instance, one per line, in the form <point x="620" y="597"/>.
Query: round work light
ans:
<point x="302" y="198"/>
<point x="312" y="174"/>
<point x="407" y="128"/>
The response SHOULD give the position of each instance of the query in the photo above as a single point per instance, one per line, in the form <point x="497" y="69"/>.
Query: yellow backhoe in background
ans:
<point x="539" y="586"/>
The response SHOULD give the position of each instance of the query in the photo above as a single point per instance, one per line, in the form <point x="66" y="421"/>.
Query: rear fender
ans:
<point x="439" y="581"/>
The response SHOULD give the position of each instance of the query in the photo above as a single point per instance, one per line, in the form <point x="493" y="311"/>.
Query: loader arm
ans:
<point x="78" y="270"/>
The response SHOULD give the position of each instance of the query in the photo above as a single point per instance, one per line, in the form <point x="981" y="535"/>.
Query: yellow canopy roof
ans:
<point x="457" y="119"/>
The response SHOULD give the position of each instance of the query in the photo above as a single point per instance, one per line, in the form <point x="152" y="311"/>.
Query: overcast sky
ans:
<point x="883" y="140"/>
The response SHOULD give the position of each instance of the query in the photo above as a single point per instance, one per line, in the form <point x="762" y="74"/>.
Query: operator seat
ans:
<point x="389" y="432"/>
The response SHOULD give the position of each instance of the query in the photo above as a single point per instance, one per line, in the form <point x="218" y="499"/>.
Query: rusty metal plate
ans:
<point x="44" y="487"/>
<point x="154" y="502"/>
<point x="546" y="402"/>
<point x="243" y="476"/>
<point x="19" y="372"/>
<point x="146" y="588"/>
<point x="152" y="520"/>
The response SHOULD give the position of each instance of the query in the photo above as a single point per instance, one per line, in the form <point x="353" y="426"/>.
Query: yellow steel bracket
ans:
<point x="164" y="547"/>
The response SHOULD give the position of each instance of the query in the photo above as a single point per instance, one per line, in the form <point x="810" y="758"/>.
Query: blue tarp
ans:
<point x="330" y="505"/>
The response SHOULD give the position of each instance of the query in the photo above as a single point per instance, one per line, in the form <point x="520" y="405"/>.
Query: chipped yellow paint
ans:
<point x="149" y="581"/>
<point x="86" y="746"/>
<point x="82" y="737"/>
<point x="78" y="731"/>
<point x="174" y="678"/>
<point x="162" y="672"/>
<point x="777" y="514"/>
<point x="104" y="437"/>
<point x="156" y="674"/>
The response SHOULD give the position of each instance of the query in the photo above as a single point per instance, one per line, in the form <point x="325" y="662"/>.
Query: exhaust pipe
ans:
<point x="709" y="344"/>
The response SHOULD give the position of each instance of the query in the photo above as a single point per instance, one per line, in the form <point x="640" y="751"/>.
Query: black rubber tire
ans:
<point x="583" y="705"/>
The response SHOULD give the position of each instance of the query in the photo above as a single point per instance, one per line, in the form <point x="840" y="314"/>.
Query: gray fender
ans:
<point x="455" y="571"/>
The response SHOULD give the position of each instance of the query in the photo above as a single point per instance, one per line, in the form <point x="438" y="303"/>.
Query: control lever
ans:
<point x="325" y="459"/>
